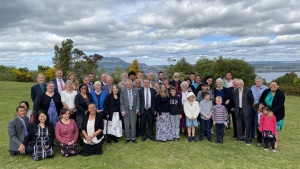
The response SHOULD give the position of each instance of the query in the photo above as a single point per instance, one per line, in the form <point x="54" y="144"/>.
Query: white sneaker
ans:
<point x="274" y="151"/>
<point x="266" y="149"/>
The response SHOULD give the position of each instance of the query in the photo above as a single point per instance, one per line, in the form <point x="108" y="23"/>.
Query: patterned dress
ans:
<point x="42" y="139"/>
<point x="52" y="113"/>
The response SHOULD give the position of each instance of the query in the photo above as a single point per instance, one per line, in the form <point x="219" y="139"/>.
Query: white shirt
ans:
<point x="68" y="98"/>
<point x="90" y="130"/>
<point x="58" y="84"/>
<point x="241" y="98"/>
<point x="184" y="95"/>
<point x="229" y="83"/>
<point x="149" y="97"/>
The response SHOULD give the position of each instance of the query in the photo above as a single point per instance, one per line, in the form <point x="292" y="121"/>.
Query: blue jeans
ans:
<point x="205" y="125"/>
<point x="220" y="131"/>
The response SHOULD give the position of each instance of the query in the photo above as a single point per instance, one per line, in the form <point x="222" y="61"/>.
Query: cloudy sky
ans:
<point x="150" y="30"/>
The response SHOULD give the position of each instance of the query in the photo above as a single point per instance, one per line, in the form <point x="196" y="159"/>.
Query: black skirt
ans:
<point x="88" y="149"/>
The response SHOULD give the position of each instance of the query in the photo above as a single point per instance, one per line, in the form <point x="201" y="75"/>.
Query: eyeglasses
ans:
<point x="176" y="76"/>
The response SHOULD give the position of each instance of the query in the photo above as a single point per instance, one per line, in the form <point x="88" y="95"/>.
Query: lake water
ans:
<point x="269" y="76"/>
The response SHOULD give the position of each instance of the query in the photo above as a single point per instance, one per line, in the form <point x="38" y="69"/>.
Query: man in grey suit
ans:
<point x="109" y="84"/>
<point x="243" y="100"/>
<point x="86" y="80"/>
<point x="17" y="131"/>
<point x="130" y="106"/>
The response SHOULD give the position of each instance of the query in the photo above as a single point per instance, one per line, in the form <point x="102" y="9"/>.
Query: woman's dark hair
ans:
<point x="82" y="86"/>
<point x="47" y="122"/>
<point x="187" y="78"/>
<point x="25" y="102"/>
<point x="274" y="81"/>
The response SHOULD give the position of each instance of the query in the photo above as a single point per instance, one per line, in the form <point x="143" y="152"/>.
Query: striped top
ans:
<point x="219" y="114"/>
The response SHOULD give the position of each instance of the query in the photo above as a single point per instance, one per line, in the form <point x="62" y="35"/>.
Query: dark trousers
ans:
<point x="28" y="150"/>
<point x="147" y="119"/>
<point x="258" y="136"/>
<point x="243" y="123"/>
<point x="228" y="122"/>
<point x="220" y="131"/>
<point x="205" y="125"/>
<point x="253" y="127"/>
<point x="233" y="124"/>
<point x="138" y="125"/>
<point x="272" y="140"/>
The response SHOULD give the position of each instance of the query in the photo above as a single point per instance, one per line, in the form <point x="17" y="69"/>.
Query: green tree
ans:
<point x="182" y="67"/>
<point x="63" y="58"/>
<point x="117" y="75"/>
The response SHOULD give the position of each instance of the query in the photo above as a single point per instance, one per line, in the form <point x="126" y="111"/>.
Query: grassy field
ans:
<point x="150" y="154"/>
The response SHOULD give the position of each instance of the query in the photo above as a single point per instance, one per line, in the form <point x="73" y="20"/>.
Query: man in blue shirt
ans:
<point x="257" y="90"/>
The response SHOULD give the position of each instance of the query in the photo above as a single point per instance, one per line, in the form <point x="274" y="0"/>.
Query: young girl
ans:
<point x="191" y="110"/>
<point x="257" y="121"/>
<point x="267" y="127"/>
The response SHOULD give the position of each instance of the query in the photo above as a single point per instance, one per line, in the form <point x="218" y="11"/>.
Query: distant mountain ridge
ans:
<point x="110" y="64"/>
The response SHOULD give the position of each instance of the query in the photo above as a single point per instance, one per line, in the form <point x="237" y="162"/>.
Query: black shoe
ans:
<point x="144" y="138"/>
<point x="234" y="136"/>
<point x="209" y="139"/>
<point x="189" y="139"/>
<point x="217" y="142"/>
<point x="248" y="143"/>
<point x="152" y="138"/>
<point x="239" y="140"/>
<point x="201" y="139"/>
<point x="11" y="153"/>
<point x="194" y="139"/>
<point x="127" y="141"/>
<point x="178" y="139"/>
<point x="134" y="141"/>
<point x="115" y="139"/>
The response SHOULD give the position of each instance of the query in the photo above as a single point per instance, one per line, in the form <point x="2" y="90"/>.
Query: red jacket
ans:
<point x="268" y="124"/>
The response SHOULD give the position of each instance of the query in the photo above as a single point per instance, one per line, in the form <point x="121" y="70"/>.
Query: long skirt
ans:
<point x="183" y="119"/>
<point x="163" y="127"/>
<point x="114" y="127"/>
<point x="94" y="149"/>
<point x="68" y="150"/>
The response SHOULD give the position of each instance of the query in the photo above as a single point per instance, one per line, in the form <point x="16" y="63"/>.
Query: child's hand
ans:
<point x="225" y="123"/>
<point x="214" y="123"/>
<point x="179" y="117"/>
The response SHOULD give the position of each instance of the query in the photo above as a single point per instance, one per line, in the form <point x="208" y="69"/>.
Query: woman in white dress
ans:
<point x="68" y="98"/>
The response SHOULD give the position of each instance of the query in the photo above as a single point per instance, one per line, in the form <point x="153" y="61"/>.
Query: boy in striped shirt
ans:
<point x="219" y="117"/>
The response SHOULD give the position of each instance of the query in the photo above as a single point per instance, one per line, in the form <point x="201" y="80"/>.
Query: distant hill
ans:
<point x="110" y="64"/>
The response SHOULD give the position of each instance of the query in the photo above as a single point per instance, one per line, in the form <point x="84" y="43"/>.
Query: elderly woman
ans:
<point x="183" y="94"/>
<point x="50" y="102"/>
<point x="99" y="97"/>
<point x="82" y="100"/>
<point x="68" y="98"/>
<point x="191" y="87"/>
<point x="66" y="132"/>
<point x="75" y="82"/>
<point x="113" y="113"/>
<point x="275" y="98"/>
<point x="29" y="113"/>
<point x="92" y="130"/>
<point x="219" y="90"/>
<point x="41" y="136"/>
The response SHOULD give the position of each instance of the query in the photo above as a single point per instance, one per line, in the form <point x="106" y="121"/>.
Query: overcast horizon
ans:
<point x="150" y="30"/>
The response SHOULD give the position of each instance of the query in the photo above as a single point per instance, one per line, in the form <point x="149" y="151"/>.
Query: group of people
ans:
<point x="83" y="114"/>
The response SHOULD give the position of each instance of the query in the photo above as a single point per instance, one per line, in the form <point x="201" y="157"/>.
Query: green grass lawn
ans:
<point x="150" y="154"/>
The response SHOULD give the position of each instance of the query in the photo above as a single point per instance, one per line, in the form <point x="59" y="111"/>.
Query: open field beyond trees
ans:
<point x="150" y="154"/>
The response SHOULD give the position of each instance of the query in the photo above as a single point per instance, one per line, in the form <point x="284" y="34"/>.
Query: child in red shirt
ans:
<point x="267" y="127"/>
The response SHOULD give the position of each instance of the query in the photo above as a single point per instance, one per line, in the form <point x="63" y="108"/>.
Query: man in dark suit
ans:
<point x="230" y="106"/>
<point x="59" y="81"/>
<point x="130" y="107"/>
<point x="17" y="131"/>
<point x="92" y="77"/>
<point x="243" y="100"/>
<point x="147" y="110"/>
<point x="161" y="76"/>
<point x="176" y="82"/>
<point x="38" y="89"/>
<point x="86" y="80"/>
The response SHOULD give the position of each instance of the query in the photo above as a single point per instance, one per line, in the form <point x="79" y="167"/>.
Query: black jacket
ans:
<point x="109" y="106"/>
<point x="277" y="104"/>
<point x="32" y="134"/>
<point x="98" y="124"/>
<point x="175" y="105"/>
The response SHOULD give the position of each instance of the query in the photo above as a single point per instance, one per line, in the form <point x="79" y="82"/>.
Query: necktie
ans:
<point x="25" y="129"/>
<point x="130" y="100"/>
<point x="176" y="85"/>
<point x="147" y="99"/>
<point x="42" y="87"/>
<point x="61" y="85"/>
